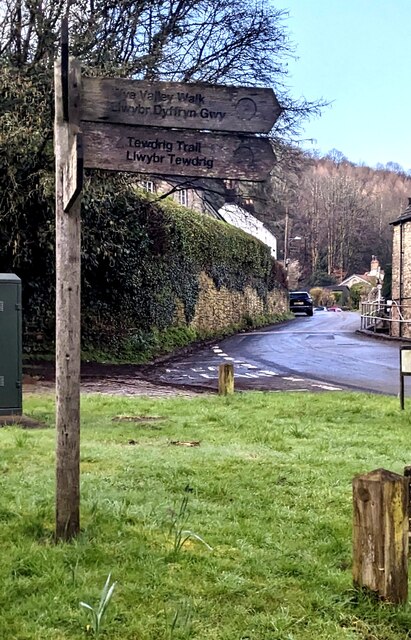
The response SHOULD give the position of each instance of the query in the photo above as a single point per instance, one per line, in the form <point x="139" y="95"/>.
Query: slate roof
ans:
<point x="404" y="217"/>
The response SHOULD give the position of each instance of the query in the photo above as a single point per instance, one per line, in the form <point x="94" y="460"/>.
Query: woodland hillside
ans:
<point x="334" y="214"/>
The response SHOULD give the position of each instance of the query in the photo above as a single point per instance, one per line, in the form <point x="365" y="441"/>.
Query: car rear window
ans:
<point x="299" y="294"/>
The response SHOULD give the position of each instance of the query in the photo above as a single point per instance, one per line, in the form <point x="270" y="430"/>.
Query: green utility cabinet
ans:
<point x="10" y="345"/>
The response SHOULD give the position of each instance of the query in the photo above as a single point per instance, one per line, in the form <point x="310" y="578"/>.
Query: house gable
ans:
<point x="356" y="279"/>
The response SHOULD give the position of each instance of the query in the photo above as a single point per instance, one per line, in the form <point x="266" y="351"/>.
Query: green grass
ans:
<point x="272" y="496"/>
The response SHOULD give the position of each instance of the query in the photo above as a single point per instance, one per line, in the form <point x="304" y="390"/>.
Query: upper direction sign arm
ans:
<point x="177" y="105"/>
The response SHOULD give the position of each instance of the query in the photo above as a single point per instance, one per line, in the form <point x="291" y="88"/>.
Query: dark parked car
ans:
<point x="301" y="302"/>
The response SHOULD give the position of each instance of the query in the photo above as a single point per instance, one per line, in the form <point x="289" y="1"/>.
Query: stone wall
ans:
<point x="401" y="280"/>
<point x="217" y="309"/>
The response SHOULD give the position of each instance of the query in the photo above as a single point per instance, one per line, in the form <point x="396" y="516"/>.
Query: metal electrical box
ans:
<point x="10" y="345"/>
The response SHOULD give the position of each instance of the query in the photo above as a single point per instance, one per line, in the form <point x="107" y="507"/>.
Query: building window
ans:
<point x="182" y="197"/>
<point x="148" y="185"/>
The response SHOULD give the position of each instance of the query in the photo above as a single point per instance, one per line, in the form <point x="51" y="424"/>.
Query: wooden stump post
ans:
<point x="225" y="379"/>
<point x="380" y="534"/>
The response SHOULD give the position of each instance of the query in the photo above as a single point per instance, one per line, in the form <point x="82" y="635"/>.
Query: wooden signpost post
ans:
<point x="148" y="128"/>
<point x="69" y="172"/>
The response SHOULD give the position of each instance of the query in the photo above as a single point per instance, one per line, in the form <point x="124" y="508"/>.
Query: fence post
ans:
<point x="380" y="534"/>
<point x="225" y="379"/>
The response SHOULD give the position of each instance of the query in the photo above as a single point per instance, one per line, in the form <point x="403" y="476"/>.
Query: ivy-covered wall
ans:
<point x="155" y="276"/>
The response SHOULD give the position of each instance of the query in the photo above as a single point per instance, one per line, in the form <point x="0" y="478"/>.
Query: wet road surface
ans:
<point x="323" y="352"/>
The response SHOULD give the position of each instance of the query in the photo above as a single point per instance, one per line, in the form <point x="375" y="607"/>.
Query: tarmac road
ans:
<point x="322" y="352"/>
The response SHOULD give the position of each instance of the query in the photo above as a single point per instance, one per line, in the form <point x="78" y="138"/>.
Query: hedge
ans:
<point x="138" y="257"/>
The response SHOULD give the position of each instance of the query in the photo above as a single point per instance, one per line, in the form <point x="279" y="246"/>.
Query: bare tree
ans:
<point x="344" y="212"/>
<point x="230" y="41"/>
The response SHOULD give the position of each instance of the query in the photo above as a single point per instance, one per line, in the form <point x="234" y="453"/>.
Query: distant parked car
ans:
<point x="337" y="309"/>
<point x="301" y="302"/>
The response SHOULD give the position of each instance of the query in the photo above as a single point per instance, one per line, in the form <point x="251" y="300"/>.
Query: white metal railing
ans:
<point x="380" y="313"/>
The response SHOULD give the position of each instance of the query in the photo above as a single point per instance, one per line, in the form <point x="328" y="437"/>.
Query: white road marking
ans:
<point x="249" y="366"/>
<point x="278" y="333"/>
<point x="289" y="390"/>
<point x="228" y="358"/>
<point x="327" y="387"/>
<point x="212" y="368"/>
<point x="267" y="372"/>
<point x="292" y="379"/>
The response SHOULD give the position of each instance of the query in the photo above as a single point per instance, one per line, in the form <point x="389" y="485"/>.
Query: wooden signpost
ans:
<point x="176" y="152"/>
<point x="179" y="105"/>
<point x="148" y="128"/>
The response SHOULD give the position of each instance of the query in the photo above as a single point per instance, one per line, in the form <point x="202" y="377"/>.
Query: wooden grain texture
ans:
<point x="179" y="105"/>
<point x="380" y="534"/>
<point x="67" y="326"/>
<point x="407" y="475"/>
<point x="176" y="153"/>
<point x="395" y="527"/>
<point x="72" y="160"/>
<point x="73" y="170"/>
<point x="225" y="379"/>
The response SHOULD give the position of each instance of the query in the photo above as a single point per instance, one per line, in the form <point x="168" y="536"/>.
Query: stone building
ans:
<point x="182" y="192"/>
<point x="401" y="275"/>
<point x="369" y="279"/>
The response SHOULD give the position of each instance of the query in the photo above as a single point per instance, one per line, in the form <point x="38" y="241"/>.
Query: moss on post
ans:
<point x="225" y="379"/>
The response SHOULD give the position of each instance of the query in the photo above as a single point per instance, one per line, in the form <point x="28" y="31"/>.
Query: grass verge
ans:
<point x="271" y="494"/>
